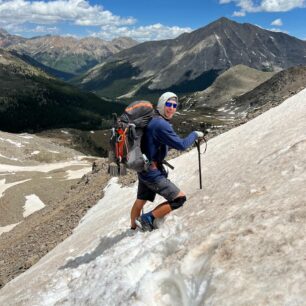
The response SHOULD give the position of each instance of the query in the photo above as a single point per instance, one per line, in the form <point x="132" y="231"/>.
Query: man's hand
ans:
<point x="199" y="134"/>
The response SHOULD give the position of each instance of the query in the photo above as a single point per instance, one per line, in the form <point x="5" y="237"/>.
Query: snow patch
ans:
<point x="40" y="168"/>
<point x="75" y="174"/>
<point x="32" y="204"/>
<point x="7" y="228"/>
<point x="17" y="144"/>
<point x="4" y="186"/>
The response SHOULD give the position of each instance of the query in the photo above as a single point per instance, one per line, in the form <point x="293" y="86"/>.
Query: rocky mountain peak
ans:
<point x="222" y="21"/>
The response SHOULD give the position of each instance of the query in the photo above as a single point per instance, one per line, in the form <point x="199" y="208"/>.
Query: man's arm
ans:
<point x="166" y="135"/>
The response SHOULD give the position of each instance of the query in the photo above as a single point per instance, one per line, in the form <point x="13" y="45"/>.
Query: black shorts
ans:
<point x="164" y="187"/>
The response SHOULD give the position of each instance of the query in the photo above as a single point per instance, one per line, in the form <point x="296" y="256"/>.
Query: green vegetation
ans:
<point x="116" y="80"/>
<point x="54" y="72"/>
<point x="32" y="101"/>
<point x="72" y="63"/>
<point x="202" y="82"/>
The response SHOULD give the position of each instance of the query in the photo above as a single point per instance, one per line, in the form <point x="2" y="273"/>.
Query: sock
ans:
<point x="150" y="216"/>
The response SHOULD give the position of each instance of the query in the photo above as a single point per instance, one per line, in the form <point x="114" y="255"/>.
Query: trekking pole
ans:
<point x="199" y="158"/>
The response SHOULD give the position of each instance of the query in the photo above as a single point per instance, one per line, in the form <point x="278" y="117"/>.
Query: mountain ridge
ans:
<point x="67" y="54"/>
<point x="193" y="60"/>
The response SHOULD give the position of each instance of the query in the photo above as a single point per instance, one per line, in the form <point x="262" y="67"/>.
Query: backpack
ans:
<point x="126" y="138"/>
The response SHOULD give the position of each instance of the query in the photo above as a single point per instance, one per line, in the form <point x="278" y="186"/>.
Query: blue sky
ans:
<point x="146" y="20"/>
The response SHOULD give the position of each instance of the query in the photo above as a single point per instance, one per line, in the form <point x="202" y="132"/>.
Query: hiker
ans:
<point x="159" y="135"/>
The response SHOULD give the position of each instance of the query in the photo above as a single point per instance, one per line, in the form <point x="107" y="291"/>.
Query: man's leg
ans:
<point x="136" y="210"/>
<point x="144" y="194"/>
<point x="175" y="199"/>
<point x="164" y="208"/>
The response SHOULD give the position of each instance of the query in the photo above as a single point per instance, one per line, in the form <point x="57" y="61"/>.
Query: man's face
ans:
<point x="170" y="108"/>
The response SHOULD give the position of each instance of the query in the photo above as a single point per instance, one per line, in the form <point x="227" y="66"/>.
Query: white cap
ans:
<point x="163" y="99"/>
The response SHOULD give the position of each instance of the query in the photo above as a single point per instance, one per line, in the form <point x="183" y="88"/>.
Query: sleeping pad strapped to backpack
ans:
<point x="126" y="136"/>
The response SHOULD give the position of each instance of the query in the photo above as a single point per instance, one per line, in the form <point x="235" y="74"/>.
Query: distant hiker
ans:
<point x="159" y="135"/>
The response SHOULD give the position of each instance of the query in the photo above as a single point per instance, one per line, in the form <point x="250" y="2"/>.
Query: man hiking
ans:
<point x="159" y="135"/>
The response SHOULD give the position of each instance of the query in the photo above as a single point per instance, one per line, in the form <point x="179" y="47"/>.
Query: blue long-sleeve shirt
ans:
<point x="159" y="135"/>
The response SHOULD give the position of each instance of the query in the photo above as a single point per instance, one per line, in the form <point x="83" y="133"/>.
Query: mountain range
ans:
<point x="234" y="58"/>
<point x="7" y="39"/>
<point x="192" y="61"/>
<point x="66" y="54"/>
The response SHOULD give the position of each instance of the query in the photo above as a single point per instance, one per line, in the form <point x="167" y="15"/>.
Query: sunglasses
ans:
<point x="169" y="104"/>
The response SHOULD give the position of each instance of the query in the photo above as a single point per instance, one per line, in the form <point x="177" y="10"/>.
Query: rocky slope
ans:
<point x="192" y="61"/>
<point x="236" y="110"/>
<point x="234" y="82"/>
<point x="39" y="197"/>
<point x="32" y="100"/>
<point x="280" y="86"/>
<point x="68" y="54"/>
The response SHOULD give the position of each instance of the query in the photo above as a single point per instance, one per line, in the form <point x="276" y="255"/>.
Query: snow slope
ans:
<point x="239" y="241"/>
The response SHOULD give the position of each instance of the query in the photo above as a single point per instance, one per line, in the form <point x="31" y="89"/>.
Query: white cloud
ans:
<point x="277" y="22"/>
<point x="239" y="14"/>
<point x="43" y="29"/>
<point x="281" y="5"/>
<point x="253" y="6"/>
<point x="12" y="28"/>
<point x="79" y="12"/>
<point x="142" y="33"/>
<point x="17" y="14"/>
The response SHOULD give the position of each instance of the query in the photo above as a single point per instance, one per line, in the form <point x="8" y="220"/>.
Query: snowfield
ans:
<point x="34" y="172"/>
<point x="239" y="241"/>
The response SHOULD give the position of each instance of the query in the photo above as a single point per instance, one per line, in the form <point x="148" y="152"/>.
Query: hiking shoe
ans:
<point x="145" y="223"/>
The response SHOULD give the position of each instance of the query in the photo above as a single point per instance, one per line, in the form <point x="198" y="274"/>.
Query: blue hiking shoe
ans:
<point x="145" y="222"/>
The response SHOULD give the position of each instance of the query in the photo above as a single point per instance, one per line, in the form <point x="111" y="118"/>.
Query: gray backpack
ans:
<point x="126" y="138"/>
